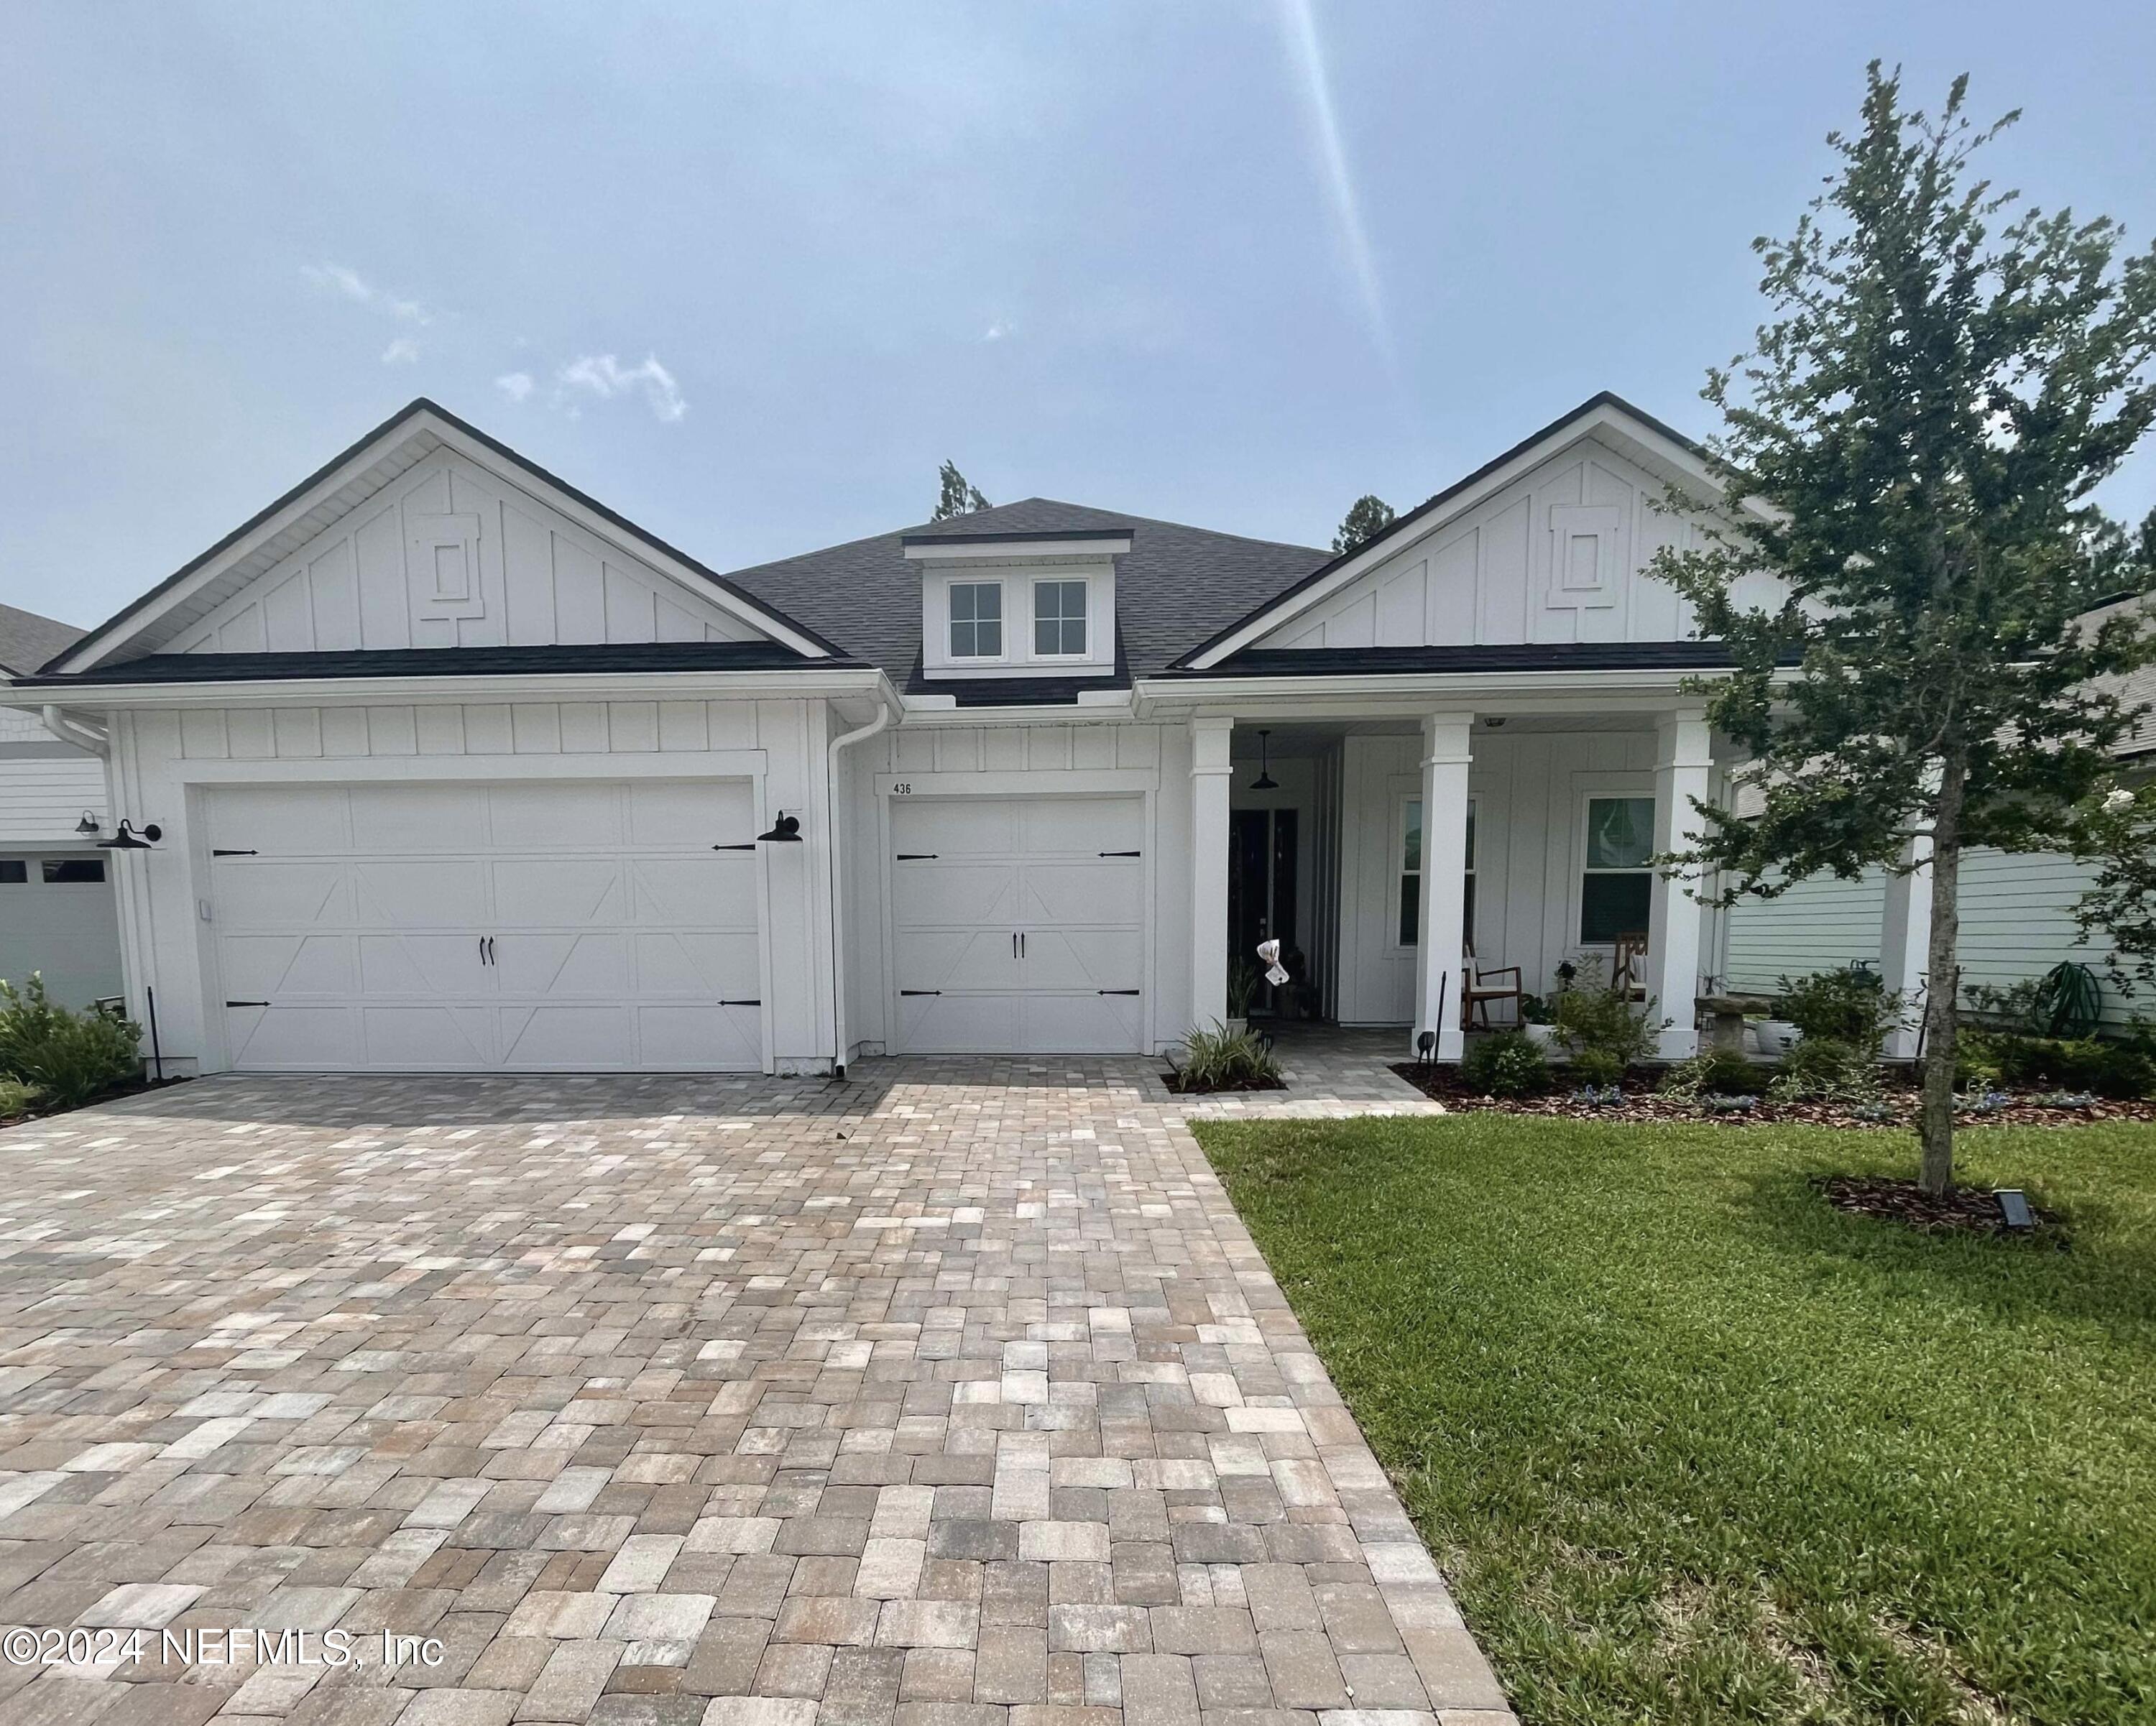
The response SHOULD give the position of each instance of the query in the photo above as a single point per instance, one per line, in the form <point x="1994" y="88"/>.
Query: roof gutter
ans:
<point x="1414" y="692"/>
<point x="809" y="681"/>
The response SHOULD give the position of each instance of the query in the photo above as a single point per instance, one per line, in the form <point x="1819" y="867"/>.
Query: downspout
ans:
<point x="845" y="739"/>
<point x="74" y="732"/>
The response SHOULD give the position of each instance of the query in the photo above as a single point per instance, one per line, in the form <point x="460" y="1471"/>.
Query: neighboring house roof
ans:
<point x="599" y="658"/>
<point x="28" y="641"/>
<point x="423" y="425"/>
<point x="1176" y="585"/>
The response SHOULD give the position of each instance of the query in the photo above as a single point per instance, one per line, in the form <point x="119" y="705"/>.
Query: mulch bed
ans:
<point x="133" y="1088"/>
<point x="1641" y="1102"/>
<point x="1963" y="1210"/>
<point x="1173" y="1081"/>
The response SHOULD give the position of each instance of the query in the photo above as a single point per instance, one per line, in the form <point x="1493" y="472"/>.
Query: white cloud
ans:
<point x="604" y="376"/>
<point x="996" y="331"/>
<point x="347" y="283"/>
<point x="402" y="351"/>
<point x="515" y="385"/>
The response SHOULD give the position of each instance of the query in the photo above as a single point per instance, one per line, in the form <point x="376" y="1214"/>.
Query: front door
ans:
<point x="1261" y="849"/>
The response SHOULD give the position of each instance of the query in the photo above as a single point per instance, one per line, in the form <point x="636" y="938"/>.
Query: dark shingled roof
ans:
<point x="450" y="661"/>
<point x="28" y="641"/>
<point x="1496" y="656"/>
<point x="1176" y="585"/>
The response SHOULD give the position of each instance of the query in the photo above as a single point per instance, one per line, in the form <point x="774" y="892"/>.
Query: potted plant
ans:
<point x="1538" y="1022"/>
<point x="1244" y="978"/>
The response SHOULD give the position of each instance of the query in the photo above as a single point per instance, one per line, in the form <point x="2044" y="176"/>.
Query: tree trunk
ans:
<point x="1942" y="1017"/>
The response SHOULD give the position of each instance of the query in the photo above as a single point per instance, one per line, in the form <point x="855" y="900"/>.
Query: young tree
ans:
<point x="1369" y="516"/>
<point x="958" y="496"/>
<point x="1910" y="448"/>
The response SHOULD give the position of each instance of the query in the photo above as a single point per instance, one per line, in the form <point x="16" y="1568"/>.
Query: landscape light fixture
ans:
<point x="87" y="826"/>
<point x="786" y="828"/>
<point x="1264" y="782"/>
<point x="2014" y="1208"/>
<point x="128" y="839"/>
<point x="1425" y="1046"/>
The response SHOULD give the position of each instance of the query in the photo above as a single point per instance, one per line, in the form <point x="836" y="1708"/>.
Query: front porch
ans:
<point x="1530" y="833"/>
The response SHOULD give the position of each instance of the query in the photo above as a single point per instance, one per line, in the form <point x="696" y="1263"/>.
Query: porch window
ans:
<point x="977" y="620"/>
<point x="1617" y="883"/>
<point x="1411" y="875"/>
<point x="1059" y="619"/>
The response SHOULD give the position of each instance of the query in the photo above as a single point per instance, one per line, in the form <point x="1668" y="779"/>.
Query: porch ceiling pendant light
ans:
<point x="128" y="839"/>
<point x="784" y="830"/>
<point x="1264" y="782"/>
<point x="88" y="825"/>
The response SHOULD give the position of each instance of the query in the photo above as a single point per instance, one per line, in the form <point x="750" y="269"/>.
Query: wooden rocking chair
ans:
<point x="1479" y="988"/>
<point x="1627" y="967"/>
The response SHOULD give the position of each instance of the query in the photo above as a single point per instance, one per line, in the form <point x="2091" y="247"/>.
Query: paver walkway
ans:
<point x="953" y="1396"/>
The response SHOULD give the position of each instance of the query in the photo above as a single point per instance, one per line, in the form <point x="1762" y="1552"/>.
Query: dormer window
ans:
<point x="977" y="620"/>
<point x="1018" y="605"/>
<point x="1059" y="620"/>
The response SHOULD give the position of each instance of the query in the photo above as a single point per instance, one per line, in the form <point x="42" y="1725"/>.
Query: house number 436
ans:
<point x="901" y="790"/>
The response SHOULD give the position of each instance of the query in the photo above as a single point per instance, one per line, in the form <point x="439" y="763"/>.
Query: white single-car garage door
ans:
<point x="537" y="926"/>
<point x="1018" y="924"/>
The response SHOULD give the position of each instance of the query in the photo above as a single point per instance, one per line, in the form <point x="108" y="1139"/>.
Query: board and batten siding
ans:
<point x="450" y="556"/>
<point x="165" y="757"/>
<point x="2017" y="921"/>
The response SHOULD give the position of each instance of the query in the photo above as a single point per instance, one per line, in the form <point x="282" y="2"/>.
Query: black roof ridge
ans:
<point x="417" y="405"/>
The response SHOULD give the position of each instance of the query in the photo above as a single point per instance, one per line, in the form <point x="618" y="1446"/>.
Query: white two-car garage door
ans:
<point x="543" y="925"/>
<point x="1018" y="924"/>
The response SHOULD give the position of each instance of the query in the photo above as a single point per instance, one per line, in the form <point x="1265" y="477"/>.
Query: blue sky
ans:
<point x="749" y="273"/>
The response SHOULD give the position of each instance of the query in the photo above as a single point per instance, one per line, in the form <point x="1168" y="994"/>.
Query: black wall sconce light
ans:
<point x="129" y="838"/>
<point x="784" y="830"/>
<point x="87" y="826"/>
<point x="1264" y="782"/>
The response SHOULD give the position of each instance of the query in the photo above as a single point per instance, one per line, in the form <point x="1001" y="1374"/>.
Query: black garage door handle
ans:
<point x="1121" y="853"/>
<point x="1119" y="991"/>
<point x="246" y="1003"/>
<point x="916" y="857"/>
<point x="741" y="1003"/>
<point x="920" y="991"/>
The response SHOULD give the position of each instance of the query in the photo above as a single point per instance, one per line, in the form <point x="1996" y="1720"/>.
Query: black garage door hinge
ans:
<point x="1122" y="853"/>
<point x="235" y="853"/>
<point x="741" y="1003"/>
<point x="1119" y="991"/>
<point x="246" y="1003"/>
<point x="916" y="857"/>
<point x="920" y="991"/>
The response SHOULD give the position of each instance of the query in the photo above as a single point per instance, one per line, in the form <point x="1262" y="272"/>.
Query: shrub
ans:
<point x="18" y="1099"/>
<point x="70" y="1056"/>
<point x="1504" y="1065"/>
<point x="1847" y="1006"/>
<point x="1245" y="979"/>
<point x="1223" y="1060"/>
<point x="1716" y="1073"/>
<point x="1598" y="1069"/>
<point x="2065" y="1002"/>
<point x="1592" y="1019"/>
<point x="1826" y="1069"/>
<point x="2108" y="1068"/>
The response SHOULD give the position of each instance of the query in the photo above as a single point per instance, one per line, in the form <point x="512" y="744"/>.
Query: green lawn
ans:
<point x="1693" y="1446"/>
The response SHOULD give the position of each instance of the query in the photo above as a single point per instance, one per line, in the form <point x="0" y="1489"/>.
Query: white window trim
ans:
<point x="951" y="622"/>
<point x="1017" y="580"/>
<point x="1396" y="896"/>
<point x="1084" y="655"/>
<point x="1639" y="789"/>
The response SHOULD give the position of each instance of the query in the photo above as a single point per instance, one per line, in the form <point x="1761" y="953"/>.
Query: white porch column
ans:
<point x="1447" y="747"/>
<point x="1210" y="773"/>
<point x="1904" y="939"/>
<point x="1682" y="745"/>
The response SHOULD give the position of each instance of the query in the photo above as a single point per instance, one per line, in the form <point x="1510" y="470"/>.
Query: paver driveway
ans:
<point x="956" y="1396"/>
